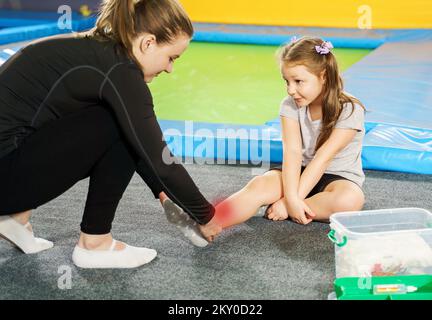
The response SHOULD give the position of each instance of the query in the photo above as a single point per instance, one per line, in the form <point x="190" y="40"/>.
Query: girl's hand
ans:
<point x="300" y="212"/>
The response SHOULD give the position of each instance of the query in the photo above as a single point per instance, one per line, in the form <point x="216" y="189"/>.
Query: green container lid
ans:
<point x="410" y="287"/>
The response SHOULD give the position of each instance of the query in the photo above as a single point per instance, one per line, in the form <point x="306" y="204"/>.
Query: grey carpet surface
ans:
<point x="259" y="259"/>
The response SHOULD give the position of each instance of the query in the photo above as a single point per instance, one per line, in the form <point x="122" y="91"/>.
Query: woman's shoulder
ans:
<point x="106" y="47"/>
<point x="73" y="43"/>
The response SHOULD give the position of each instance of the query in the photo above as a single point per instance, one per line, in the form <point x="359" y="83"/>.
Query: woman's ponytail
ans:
<point x="116" y="21"/>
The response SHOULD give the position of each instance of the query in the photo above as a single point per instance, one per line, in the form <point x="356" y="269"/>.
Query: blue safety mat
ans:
<point x="14" y="18"/>
<point x="277" y="35"/>
<point x="20" y="26"/>
<point x="394" y="82"/>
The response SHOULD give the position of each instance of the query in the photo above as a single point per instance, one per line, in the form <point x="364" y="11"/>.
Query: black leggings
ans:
<point x="61" y="153"/>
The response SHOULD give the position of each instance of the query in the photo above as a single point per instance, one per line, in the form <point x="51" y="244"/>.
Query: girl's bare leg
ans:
<point x="241" y="206"/>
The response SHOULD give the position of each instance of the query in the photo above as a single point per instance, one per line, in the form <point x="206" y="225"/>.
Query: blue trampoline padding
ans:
<point x="395" y="84"/>
<point x="18" y="34"/>
<point x="393" y="147"/>
<point x="412" y="153"/>
<point x="15" y="18"/>
<point x="274" y="35"/>
<point x="22" y="26"/>
<point x="249" y="144"/>
<point x="398" y="149"/>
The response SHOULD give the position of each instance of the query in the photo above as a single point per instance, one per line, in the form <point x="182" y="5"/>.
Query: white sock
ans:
<point x="129" y="257"/>
<point x="184" y="223"/>
<point x="20" y="236"/>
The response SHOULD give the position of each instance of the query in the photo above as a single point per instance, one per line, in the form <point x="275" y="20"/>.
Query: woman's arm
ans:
<point x="127" y="95"/>
<point x="337" y="141"/>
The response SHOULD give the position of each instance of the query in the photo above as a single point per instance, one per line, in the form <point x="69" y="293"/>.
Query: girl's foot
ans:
<point x="22" y="236"/>
<point x="277" y="211"/>
<point x="210" y="230"/>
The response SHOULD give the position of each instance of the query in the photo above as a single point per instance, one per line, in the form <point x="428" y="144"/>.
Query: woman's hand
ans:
<point x="299" y="211"/>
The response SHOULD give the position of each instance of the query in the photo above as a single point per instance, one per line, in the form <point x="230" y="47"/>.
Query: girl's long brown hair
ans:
<point x="123" y="20"/>
<point x="303" y="52"/>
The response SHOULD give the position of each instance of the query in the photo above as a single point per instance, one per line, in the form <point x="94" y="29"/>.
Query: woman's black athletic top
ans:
<point x="52" y="78"/>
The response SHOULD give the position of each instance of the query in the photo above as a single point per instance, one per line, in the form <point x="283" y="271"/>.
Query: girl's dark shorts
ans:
<point x="325" y="180"/>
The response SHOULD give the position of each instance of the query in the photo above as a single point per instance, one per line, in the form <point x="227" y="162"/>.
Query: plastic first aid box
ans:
<point x="389" y="242"/>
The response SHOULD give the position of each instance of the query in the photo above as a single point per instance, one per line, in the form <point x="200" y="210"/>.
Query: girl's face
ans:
<point x="154" y="58"/>
<point x="304" y="86"/>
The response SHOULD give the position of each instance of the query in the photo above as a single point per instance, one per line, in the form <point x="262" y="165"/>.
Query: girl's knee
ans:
<point x="348" y="201"/>
<point x="267" y="181"/>
<point x="265" y="188"/>
<point x="257" y="183"/>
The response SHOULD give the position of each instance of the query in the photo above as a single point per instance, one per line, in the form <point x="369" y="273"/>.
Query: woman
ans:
<point x="77" y="106"/>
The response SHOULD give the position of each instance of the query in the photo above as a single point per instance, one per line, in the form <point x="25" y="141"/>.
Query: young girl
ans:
<point x="323" y="129"/>
<point x="78" y="106"/>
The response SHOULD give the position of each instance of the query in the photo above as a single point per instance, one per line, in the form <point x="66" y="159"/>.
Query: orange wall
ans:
<point x="329" y="13"/>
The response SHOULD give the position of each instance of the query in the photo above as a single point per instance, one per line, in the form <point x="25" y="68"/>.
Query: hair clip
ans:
<point x="324" y="48"/>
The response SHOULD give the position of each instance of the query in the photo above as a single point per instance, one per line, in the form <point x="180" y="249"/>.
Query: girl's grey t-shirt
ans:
<point x="347" y="163"/>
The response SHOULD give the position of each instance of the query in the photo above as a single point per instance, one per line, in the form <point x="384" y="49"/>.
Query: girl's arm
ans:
<point x="337" y="141"/>
<point x="291" y="170"/>
<point x="292" y="157"/>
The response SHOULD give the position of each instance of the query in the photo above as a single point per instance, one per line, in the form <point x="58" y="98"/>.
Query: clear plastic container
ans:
<point x="387" y="242"/>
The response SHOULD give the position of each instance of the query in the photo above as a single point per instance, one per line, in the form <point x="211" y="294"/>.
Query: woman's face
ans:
<point x="154" y="58"/>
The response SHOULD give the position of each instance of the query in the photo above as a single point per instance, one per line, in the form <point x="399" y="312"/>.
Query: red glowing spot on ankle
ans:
<point x="223" y="209"/>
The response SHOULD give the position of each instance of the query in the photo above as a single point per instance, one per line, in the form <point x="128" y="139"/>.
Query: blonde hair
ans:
<point x="123" y="20"/>
<point x="303" y="52"/>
